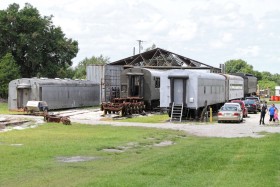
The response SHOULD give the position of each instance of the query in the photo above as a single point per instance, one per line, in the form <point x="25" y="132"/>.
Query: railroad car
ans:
<point x="194" y="90"/>
<point x="143" y="83"/>
<point x="250" y="83"/>
<point x="58" y="93"/>
<point x="234" y="87"/>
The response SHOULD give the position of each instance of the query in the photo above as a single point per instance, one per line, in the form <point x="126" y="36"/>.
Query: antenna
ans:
<point x="140" y="46"/>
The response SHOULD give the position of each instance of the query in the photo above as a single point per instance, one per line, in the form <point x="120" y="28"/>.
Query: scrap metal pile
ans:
<point x="124" y="106"/>
<point x="57" y="119"/>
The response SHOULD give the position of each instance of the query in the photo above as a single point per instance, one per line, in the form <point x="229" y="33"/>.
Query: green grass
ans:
<point x="4" y="109"/>
<point x="157" y="118"/>
<point x="191" y="161"/>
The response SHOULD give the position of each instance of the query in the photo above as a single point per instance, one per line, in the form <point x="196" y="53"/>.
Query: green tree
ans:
<point x="267" y="76"/>
<point x="264" y="84"/>
<point x="235" y="66"/>
<point x="80" y="70"/>
<point x="37" y="46"/>
<point x="9" y="70"/>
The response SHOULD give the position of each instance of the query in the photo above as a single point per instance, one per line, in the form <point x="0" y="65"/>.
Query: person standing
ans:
<point x="263" y="112"/>
<point x="271" y="113"/>
<point x="276" y="115"/>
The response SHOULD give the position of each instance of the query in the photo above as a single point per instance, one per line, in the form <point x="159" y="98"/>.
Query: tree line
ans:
<point x="32" y="46"/>
<point x="266" y="80"/>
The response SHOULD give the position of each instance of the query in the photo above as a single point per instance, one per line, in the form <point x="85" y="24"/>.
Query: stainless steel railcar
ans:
<point x="192" y="89"/>
<point x="143" y="83"/>
<point x="58" y="93"/>
<point x="234" y="87"/>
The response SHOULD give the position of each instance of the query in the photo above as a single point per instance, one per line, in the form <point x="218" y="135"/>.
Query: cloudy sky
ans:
<point x="209" y="31"/>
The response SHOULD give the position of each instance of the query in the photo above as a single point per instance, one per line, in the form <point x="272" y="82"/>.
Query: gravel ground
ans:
<point x="248" y="128"/>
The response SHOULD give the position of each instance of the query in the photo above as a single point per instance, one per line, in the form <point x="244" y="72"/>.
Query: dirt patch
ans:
<point x="17" y="145"/>
<point x="113" y="150"/>
<point x="76" y="159"/>
<point x="122" y="148"/>
<point x="164" y="144"/>
<point x="18" y="122"/>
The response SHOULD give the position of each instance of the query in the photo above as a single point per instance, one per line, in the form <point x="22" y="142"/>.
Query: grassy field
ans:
<point x="31" y="158"/>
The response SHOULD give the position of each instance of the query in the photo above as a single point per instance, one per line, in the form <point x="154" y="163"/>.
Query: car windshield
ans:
<point x="252" y="98"/>
<point x="229" y="108"/>
<point x="249" y="101"/>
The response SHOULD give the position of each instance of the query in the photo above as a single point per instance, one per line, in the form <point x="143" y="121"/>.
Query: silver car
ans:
<point x="230" y="112"/>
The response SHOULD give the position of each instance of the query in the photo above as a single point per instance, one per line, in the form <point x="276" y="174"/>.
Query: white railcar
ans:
<point x="234" y="87"/>
<point x="193" y="89"/>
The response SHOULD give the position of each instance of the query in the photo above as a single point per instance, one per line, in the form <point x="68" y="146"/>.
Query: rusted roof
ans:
<point x="160" y="57"/>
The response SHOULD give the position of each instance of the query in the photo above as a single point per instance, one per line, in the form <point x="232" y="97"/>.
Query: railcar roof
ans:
<point x="46" y="81"/>
<point x="179" y="72"/>
<point x="233" y="76"/>
<point x="154" y="72"/>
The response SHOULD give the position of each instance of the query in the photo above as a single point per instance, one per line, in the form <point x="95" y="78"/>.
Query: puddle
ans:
<point x="76" y="159"/>
<point x="164" y="143"/>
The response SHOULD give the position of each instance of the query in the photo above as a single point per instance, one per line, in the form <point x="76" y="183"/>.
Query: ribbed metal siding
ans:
<point x="112" y="80"/>
<point x="95" y="73"/>
<point x="58" y="93"/>
<point x="108" y="77"/>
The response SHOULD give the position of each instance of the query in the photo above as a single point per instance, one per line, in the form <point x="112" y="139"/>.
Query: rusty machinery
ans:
<point x="124" y="106"/>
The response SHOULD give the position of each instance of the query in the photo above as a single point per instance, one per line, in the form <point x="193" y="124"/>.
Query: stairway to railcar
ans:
<point x="176" y="112"/>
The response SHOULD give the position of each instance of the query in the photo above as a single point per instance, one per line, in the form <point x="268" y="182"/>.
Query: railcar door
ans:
<point x="22" y="97"/>
<point x="136" y="86"/>
<point x="178" y="89"/>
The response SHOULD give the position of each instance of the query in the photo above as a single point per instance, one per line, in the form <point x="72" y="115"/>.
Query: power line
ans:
<point x="140" y="45"/>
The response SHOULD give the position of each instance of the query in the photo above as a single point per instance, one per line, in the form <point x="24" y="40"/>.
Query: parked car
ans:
<point x="230" y="112"/>
<point x="251" y="105"/>
<point x="243" y="107"/>
<point x="258" y="101"/>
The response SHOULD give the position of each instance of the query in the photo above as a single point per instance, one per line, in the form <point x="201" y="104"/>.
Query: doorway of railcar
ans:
<point x="23" y="95"/>
<point x="136" y="86"/>
<point x="178" y="89"/>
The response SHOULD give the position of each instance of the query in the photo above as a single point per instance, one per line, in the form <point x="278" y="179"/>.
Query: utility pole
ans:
<point x="140" y="46"/>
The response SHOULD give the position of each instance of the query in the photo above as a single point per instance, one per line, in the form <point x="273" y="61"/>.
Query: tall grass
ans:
<point x="29" y="158"/>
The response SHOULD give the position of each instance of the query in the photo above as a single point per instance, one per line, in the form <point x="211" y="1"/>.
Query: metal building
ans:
<point x="58" y="93"/>
<point x="108" y="79"/>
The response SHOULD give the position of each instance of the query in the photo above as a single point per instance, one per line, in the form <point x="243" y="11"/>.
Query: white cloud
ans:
<point x="227" y="37"/>
<point x="184" y="30"/>
<point x="249" y="51"/>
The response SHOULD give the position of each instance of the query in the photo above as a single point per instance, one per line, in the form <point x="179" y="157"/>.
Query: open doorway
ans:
<point x="136" y="86"/>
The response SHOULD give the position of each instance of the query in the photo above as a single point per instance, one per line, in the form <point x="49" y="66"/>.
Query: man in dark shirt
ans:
<point x="263" y="112"/>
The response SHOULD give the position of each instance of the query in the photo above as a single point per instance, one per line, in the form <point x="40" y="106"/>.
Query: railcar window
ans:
<point x="157" y="82"/>
<point x="124" y="88"/>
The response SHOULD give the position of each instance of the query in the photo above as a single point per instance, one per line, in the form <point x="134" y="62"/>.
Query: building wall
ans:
<point x="107" y="77"/>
